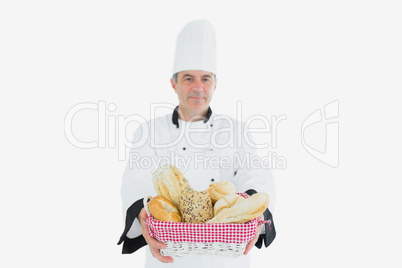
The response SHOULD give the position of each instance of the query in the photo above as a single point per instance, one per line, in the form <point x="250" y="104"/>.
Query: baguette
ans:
<point x="227" y="202"/>
<point x="243" y="211"/>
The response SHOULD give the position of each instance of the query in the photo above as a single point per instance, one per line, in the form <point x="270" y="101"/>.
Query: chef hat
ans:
<point x="196" y="48"/>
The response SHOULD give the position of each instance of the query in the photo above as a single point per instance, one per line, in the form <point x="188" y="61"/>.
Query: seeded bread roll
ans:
<point x="243" y="211"/>
<point x="169" y="182"/>
<point x="163" y="209"/>
<point x="195" y="207"/>
<point x="219" y="189"/>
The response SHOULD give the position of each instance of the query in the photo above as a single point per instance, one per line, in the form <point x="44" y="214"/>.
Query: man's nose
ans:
<point x="197" y="85"/>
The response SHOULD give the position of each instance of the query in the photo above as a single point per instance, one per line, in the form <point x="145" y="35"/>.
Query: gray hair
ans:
<point x="174" y="77"/>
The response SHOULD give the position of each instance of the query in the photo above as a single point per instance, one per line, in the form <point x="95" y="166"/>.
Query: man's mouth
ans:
<point x="196" y="97"/>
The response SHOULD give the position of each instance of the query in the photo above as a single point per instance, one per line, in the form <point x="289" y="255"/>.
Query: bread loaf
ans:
<point x="227" y="202"/>
<point x="163" y="209"/>
<point x="169" y="182"/>
<point x="219" y="189"/>
<point x="195" y="207"/>
<point x="243" y="211"/>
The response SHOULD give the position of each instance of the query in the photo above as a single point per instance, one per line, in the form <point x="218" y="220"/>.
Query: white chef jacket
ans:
<point x="205" y="151"/>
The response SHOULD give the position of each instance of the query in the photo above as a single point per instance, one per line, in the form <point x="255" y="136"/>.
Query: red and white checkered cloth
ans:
<point x="203" y="232"/>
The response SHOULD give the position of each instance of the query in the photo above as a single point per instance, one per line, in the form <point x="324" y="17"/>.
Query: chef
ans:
<point x="206" y="147"/>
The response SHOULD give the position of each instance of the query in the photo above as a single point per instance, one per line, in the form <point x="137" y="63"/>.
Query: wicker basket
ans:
<point x="223" y="239"/>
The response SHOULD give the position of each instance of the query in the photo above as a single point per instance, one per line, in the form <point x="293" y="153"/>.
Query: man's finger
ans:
<point x="157" y="254"/>
<point x="250" y="245"/>
<point x="255" y="239"/>
<point x="150" y="240"/>
<point x="144" y="227"/>
<point x="154" y="245"/>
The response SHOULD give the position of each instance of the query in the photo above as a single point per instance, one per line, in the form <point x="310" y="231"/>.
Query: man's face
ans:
<point x="195" y="90"/>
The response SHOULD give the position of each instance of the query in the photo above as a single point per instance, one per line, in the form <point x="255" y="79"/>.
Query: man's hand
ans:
<point x="154" y="245"/>
<point x="252" y="242"/>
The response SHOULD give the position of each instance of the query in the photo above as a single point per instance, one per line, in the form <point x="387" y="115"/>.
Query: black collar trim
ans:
<point x="175" y="116"/>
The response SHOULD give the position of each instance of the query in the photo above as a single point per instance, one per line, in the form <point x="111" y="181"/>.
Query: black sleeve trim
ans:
<point x="270" y="232"/>
<point x="131" y="245"/>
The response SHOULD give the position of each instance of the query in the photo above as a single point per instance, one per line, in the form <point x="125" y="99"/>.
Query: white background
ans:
<point x="60" y="205"/>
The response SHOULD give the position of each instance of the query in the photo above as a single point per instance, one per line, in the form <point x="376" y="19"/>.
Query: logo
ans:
<point x="320" y="134"/>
